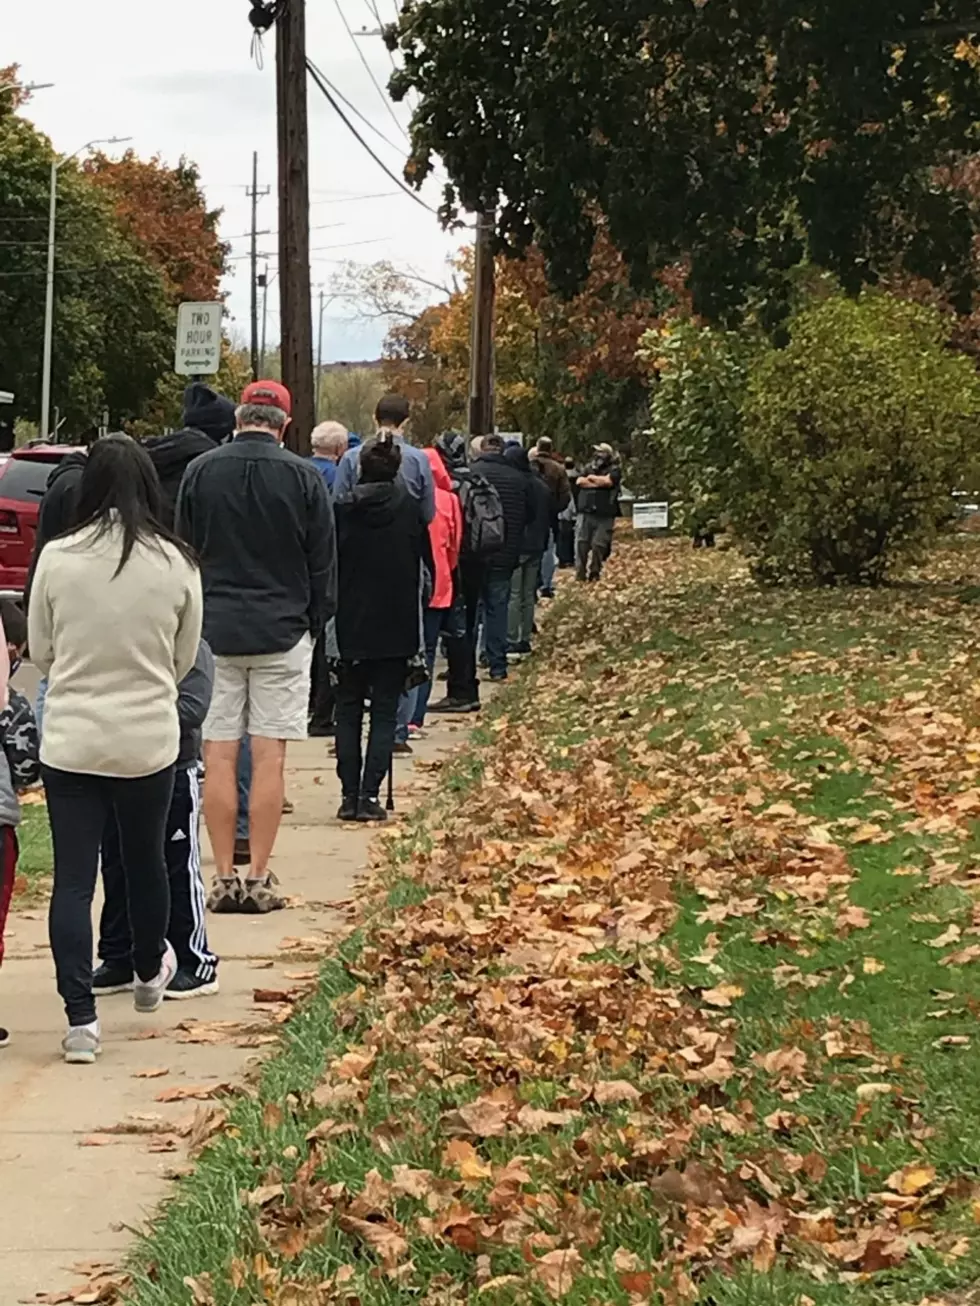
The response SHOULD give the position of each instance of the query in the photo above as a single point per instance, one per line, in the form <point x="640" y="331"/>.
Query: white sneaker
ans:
<point x="82" y="1044"/>
<point x="148" y="994"/>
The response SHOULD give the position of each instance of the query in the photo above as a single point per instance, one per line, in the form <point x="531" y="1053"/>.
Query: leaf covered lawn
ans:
<point x="670" y="996"/>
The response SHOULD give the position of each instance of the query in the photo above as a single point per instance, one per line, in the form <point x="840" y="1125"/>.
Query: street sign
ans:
<point x="198" y="339"/>
<point x="651" y="516"/>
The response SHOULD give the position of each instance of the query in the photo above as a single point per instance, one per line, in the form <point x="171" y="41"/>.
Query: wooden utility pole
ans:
<point x="294" y="221"/>
<point x="481" y="407"/>
<point x="254" y="193"/>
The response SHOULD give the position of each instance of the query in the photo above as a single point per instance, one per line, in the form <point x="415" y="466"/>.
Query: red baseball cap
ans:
<point x="273" y="394"/>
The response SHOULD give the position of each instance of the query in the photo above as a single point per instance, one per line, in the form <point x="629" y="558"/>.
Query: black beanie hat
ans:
<point x="208" y="412"/>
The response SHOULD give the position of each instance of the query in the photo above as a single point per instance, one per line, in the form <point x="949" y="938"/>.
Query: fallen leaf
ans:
<point x="155" y="1072"/>
<point x="385" y="1239"/>
<point x="872" y="966"/>
<point x="610" y="1092"/>
<point x="868" y="1092"/>
<point x="464" y="1158"/>
<point x="722" y="996"/>
<point x="912" y="1180"/>
<point x="557" y="1270"/>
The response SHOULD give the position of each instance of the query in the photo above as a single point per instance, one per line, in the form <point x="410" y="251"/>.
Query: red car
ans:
<point x="23" y="480"/>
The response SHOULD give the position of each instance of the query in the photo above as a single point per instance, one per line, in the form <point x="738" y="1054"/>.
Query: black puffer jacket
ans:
<point x="518" y="501"/>
<point x="172" y="455"/>
<point x="57" y="513"/>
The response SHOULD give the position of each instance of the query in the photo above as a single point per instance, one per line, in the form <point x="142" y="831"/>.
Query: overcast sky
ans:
<point x="180" y="79"/>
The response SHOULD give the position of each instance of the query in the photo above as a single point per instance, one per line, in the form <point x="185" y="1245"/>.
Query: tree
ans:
<point x="745" y="138"/>
<point x="853" y="439"/>
<point x="564" y="369"/>
<point x="164" y="211"/>
<point x="113" y="331"/>
<point x="350" y="395"/>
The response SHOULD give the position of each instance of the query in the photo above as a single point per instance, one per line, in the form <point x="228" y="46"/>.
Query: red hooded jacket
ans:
<point x="445" y="532"/>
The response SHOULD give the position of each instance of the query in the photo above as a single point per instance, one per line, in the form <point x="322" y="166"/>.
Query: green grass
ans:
<point x="701" y="688"/>
<point x="35" y="862"/>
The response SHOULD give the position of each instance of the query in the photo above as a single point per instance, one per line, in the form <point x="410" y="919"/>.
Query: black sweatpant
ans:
<point x="79" y="807"/>
<point x="381" y="680"/>
<point x="463" y="685"/>
<point x="322" y="690"/>
<point x="187" y="930"/>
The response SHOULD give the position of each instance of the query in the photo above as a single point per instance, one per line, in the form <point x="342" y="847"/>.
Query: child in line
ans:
<point x="197" y="965"/>
<point x="20" y="764"/>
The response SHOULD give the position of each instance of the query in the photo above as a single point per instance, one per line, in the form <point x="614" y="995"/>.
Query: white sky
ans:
<point x="179" y="79"/>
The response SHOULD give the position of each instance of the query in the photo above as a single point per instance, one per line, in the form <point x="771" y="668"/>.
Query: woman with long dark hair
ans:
<point x="114" y="623"/>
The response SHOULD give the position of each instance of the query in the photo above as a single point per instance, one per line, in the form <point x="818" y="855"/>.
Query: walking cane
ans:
<point x="390" y="804"/>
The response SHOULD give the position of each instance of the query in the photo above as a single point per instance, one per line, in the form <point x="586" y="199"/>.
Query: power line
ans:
<point x="370" y="72"/>
<point x="353" y="130"/>
<point x="354" y="109"/>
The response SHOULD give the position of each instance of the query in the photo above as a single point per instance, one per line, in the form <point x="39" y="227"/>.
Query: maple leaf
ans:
<point x="557" y="1270"/>
<point x="913" y="1179"/>
<point x="722" y="996"/>
<point x="464" y="1158"/>
<point x="386" y="1239"/>
<point x="610" y="1092"/>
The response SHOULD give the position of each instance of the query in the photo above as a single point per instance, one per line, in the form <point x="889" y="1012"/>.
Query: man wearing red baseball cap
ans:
<point x="261" y="522"/>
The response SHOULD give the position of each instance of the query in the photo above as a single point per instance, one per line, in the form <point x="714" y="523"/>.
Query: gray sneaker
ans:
<point x="82" y="1044"/>
<point x="225" y="896"/>
<point x="148" y="994"/>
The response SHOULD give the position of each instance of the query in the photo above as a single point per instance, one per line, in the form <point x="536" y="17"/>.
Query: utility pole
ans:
<point x="264" y="283"/>
<point x="254" y="194"/>
<point x="294" y="220"/>
<point x="481" y="407"/>
<point x="319" y="363"/>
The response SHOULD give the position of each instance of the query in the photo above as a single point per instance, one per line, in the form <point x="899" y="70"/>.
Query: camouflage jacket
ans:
<point x="20" y="764"/>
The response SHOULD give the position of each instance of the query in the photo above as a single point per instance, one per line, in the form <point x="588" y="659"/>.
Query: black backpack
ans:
<point x="484" y="530"/>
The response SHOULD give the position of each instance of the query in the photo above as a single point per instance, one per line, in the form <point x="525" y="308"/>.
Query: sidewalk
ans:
<point x="71" y="1194"/>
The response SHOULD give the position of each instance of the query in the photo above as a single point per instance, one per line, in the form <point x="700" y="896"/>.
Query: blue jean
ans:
<point x="433" y="622"/>
<point x="244" y="785"/>
<point x="406" y="712"/>
<point x="42" y="694"/>
<point x="549" y="565"/>
<point x="496" y="600"/>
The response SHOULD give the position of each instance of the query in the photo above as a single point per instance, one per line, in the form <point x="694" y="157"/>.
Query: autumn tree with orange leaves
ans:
<point x="566" y="369"/>
<point x="165" y="212"/>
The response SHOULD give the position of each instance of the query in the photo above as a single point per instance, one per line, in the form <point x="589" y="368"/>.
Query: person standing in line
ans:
<point x="19" y="762"/>
<point x="445" y="540"/>
<point x="382" y="546"/>
<point x="567" y="519"/>
<point x="330" y="442"/>
<point x="598" y="508"/>
<point x="208" y="419"/>
<point x="197" y="965"/>
<point x="114" y="624"/>
<point x="414" y="472"/>
<point x="543" y="459"/>
<point x="519" y="504"/>
<point x="524" y="578"/>
<point x="260" y="520"/>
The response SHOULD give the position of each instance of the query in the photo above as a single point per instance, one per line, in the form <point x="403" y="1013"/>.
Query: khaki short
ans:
<point x="265" y="694"/>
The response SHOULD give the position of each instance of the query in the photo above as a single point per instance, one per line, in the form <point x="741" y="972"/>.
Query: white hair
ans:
<point x="329" y="438"/>
<point x="264" y="416"/>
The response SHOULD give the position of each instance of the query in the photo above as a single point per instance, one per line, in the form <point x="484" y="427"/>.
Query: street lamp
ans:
<point x="49" y="288"/>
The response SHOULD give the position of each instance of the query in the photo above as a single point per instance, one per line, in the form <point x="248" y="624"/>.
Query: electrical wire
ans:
<point x="354" y="109"/>
<point x="353" y="130"/>
<point x="370" y="72"/>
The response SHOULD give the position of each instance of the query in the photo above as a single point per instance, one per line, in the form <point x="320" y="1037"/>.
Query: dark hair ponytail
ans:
<point x="120" y="486"/>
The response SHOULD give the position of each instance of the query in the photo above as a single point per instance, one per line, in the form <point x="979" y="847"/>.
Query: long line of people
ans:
<point x="197" y="602"/>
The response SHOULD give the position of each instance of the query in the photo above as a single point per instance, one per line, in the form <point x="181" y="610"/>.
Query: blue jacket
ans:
<point x="415" y="474"/>
<point x="327" y="469"/>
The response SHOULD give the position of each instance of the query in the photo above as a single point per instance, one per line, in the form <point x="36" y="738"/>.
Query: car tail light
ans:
<point x="9" y="525"/>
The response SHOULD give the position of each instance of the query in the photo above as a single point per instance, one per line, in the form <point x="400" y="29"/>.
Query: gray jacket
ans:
<point x="20" y="762"/>
<point x="193" y="701"/>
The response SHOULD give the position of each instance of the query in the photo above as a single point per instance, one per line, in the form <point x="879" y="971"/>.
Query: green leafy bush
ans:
<point x="853" y="438"/>
<point x="702" y="376"/>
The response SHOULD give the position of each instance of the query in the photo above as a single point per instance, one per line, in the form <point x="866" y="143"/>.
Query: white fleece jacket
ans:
<point x="114" y="649"/>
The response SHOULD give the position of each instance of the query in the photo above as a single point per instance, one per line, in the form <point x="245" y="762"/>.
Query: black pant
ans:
<point x="463" y="685"/>
<point x="322" y="690"/>
<point x="566" y="543"/>
<point x="381" y="680"/>
<point x="187" y="930"/>
<point x="79" y="807"/>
